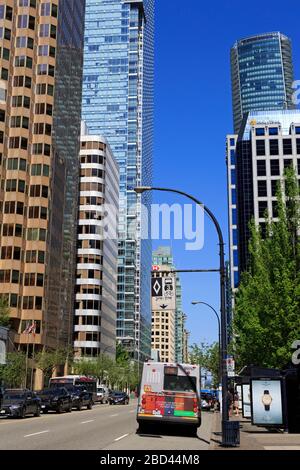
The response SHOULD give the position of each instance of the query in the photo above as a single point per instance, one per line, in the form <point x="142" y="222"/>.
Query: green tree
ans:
<point x="267" y="304"/>
<point x="48" y="361"/>
<point x="4" y="311"/>
<point x="14" y="371"/>
<point x="207" y="357"/>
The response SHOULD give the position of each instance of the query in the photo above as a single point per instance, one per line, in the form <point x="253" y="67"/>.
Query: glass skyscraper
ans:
<point x="118" y="103"/>
<point x="262" y="75"/>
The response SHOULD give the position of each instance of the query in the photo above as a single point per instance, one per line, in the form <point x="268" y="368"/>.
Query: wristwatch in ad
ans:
<point x="267" y="400"/>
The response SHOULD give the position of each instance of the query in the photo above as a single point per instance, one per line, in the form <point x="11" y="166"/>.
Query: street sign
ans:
<point x="230" y="366"/>
<point x="155" y="268"/>
<point x="164" y="293"/>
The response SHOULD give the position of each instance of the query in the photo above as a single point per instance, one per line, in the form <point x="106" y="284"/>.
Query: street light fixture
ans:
<point x="197" y="302"/>
<point x="225" y="414"/>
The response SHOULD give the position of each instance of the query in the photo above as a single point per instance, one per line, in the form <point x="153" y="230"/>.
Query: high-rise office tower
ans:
<point x="268" y="143"/>
<point x="262" y="78"/>
<point x="40" y="106"/>
<point x="162" y="256"/>
<point x="261" y="75"/>
<point x="118" y="103"/>
<point x="164" y="313"/>
<point x="97" y="249"/>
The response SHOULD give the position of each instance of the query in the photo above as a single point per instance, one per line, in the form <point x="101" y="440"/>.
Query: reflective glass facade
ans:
<point x="262" y="75"/>
<point x="118" y="103"/>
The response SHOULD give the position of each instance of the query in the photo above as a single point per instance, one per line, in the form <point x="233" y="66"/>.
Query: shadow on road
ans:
<point x="158" y="431"/>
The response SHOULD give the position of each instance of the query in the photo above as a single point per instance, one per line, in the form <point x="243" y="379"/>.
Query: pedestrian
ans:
<point x="230" y="402"/>
<point x="236" y="400"/>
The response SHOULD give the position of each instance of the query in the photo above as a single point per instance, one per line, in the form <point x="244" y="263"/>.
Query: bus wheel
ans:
<point x="193" y="431"/>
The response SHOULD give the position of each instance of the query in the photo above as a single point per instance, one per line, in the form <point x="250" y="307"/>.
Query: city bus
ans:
<point x="69" y="380"/>
<point x="170" y="393"/>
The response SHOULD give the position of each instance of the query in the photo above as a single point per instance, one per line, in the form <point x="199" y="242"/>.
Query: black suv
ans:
<point x="55" y="399"/>
<point x="81" y="397"/>
<point x="20" y="403"/>
<point x="118" y="398"/>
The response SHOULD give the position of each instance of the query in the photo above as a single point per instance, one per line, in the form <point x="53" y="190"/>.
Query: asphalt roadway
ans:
<point x="104" y="427"/>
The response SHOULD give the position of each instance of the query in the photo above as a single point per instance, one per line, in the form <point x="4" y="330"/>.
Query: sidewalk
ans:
<point x="254" y="437"/>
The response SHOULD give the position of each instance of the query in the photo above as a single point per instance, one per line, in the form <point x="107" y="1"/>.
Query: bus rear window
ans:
<point x="177" y="383"/>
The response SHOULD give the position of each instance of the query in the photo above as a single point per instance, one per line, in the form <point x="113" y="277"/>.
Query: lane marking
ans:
<point x="122" y="437"/>
<point x="132" y="411"/>
<point x="112" y="416"/>
<point x="36" y="433"/>
<point x="89" y="421"/>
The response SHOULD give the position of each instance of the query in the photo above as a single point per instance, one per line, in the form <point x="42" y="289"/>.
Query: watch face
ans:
<point x="267" y="399"/>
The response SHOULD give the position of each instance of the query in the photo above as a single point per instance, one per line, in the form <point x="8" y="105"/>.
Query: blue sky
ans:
<point x="193" y="115"/>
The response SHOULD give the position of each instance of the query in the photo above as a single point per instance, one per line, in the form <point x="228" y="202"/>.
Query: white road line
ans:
<point x="89" y="421"/>
<point x="36" y="433"/>
<point x="122" y="437"/>
<point x="112" y="416"/>
<point x="132" y="411"/>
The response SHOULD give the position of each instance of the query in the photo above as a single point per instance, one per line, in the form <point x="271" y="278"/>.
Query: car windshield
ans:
<point x="52" y="391"/>
<point x="14" y="396"/>
<point x="118" y="393"/>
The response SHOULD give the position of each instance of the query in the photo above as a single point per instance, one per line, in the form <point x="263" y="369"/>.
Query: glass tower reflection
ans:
<point x="118" y="103"/>
<point x="262" y="75"/>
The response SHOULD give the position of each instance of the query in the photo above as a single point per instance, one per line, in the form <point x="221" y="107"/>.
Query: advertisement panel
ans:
<point x="246" y="401"/>
<point x="266" y="402"/>
<point x="164" y="293"/>
<point x="239" y="391"/>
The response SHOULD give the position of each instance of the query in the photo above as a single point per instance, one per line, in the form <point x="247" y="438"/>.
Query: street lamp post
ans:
<point x="219" y="332"/>
<point x="225" y="414"/>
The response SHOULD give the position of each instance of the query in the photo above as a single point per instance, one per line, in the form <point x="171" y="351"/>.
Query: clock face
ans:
<point x="267" y="399"/>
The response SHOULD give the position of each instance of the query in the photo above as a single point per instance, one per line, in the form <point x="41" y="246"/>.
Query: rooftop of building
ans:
<point x="260" y="37"/>
<point x="284" y="119"/>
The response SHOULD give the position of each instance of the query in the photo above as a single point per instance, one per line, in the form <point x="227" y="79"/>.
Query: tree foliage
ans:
<point x="208" y="358"/>
<point x="267" y="304"/>
<point x="4" y="311"/>
<point x="14" y="371"/>
<point x="120" y="373"/>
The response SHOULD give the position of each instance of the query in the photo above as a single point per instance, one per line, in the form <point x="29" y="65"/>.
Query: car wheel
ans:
<point x="45" y="411"/>
<point x="37" y="414"/>
<point x="69" y="409"/>
<point x="59" y="409"/>
<point x="90" y="405"/>
<point x="23" y="413"/>
<point x="79" y="406"/>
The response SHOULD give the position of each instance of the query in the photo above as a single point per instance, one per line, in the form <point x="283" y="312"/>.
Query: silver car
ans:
<point x="102" y="394"/>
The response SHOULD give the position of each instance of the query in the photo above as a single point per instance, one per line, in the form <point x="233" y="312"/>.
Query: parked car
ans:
<point x="81" y="397"/>
<point x="20" y="403"/>
<point x="103" y="394"/>
<point x="118" y="398"/>
<point x="56" y="399"/>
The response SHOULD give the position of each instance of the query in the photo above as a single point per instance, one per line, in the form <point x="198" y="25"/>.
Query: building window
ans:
<point x="262" y="208"/>
<point x="275" y="185"/>
<point x="273" y="131"/>
<point x="260" y="148"/>
<point x="262" y="189"/>
<point x="287" y="147"/>
<point x="260" y="131"/>
<point x="261" y="168"/>
<point x="288" y="163"/>
<point x="275" y="168"/>
<point x="274" y="147"/>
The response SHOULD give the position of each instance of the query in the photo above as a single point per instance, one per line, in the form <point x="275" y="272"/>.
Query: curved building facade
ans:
<point x="262" y="75"/>
<point x="97" y="250"/>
